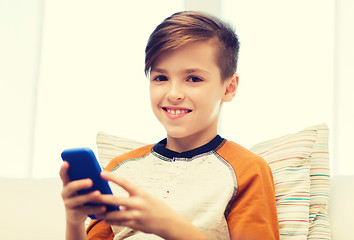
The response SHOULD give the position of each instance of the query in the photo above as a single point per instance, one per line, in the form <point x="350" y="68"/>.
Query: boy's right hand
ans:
<point x="76" y="211"/>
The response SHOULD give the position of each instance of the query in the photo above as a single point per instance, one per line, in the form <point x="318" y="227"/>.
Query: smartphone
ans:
<point x="83" y="164"/>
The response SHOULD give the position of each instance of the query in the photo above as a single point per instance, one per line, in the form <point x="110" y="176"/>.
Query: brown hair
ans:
<point x="187" y="27"/>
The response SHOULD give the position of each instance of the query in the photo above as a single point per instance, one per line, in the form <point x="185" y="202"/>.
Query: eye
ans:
<point x="160" y="78"/>
<point x="194" y="79"/>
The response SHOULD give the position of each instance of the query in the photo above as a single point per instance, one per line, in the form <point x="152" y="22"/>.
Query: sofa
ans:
<point x="33" y="209"/>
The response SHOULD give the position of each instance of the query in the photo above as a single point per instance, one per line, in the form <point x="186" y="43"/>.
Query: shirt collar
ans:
<point x="161" y="149"/>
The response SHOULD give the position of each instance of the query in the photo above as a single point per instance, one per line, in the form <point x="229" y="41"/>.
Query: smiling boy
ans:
<point x="187" y="93"/>
<point x="194" y="184"/>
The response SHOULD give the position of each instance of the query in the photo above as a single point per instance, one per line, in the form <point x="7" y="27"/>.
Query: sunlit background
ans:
<point x="71" y="68"/>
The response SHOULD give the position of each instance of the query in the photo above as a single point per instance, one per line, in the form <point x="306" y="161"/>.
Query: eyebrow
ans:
<point x="187" y="71"/>
<point x="159" y="70"/>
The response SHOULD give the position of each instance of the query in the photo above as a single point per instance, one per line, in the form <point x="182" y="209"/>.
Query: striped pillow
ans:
<point x="300" y="167"/>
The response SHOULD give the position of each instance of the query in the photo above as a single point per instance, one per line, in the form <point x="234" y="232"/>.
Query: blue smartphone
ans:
<point x="83" y="164"/>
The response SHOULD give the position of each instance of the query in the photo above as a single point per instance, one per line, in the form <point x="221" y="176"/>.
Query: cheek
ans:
<point x="153" y="94"/>
<point x="155" y="99"/>
<point x="154" y="104"/>
<point x="209" y="98"/>
<point x="211" y="105"/>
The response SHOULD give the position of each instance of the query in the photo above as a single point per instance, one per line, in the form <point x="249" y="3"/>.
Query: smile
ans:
<point x="176" y="112"/>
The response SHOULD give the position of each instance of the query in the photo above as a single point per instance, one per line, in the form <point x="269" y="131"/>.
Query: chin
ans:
<point x="178" y="133"/>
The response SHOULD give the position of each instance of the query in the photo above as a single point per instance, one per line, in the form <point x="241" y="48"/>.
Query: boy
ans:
<point x="194" y="184"/>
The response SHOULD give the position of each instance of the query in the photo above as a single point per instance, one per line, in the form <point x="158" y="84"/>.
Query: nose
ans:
<point x="175" y="92"/>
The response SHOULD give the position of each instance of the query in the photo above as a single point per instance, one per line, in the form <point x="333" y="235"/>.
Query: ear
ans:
<point x="231" y="87"/>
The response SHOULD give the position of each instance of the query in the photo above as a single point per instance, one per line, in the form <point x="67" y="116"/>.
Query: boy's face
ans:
<point x="187" y="92"/>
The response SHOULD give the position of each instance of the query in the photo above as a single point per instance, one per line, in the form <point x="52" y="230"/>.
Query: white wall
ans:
<point x="295" y="71"/>
<point x="92" y="75"/>
<point x="285" y="67"/>
<point x="343" y="162"/>
<point x="20" y="31"/>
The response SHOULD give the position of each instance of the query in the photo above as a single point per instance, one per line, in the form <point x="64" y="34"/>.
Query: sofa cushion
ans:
<point x="32" y="209"/>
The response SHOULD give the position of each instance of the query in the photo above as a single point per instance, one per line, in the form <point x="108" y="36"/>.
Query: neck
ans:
<point x="188" y="143"/>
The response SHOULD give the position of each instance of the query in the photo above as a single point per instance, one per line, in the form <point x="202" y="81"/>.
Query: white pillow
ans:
<point x="110" y="146"/>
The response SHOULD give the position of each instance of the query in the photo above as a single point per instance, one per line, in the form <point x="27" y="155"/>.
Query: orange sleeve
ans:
<point x="99" y="230"/>
<point x="253" y="213"/>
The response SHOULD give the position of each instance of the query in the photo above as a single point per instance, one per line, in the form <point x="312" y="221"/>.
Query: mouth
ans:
<point x="174" y="112"/>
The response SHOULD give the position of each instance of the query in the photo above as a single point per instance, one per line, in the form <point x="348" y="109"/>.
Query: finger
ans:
<point x="131" y="188"/>
<point x="122" y="202"/>
<point x="93" y="210"/>
<point x="71" y="188"/>
<point x="123" y="223"/>
<point x="80" y="200"/>
<point x="88" y="210"/>
<point x="109" y="199"/>
<point x="64" y="173"/>
<point x="120" y="216"/>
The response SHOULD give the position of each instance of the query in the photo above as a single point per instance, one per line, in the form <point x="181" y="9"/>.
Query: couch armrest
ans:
<point x="341" y="207"/>
<point x="31" y="209"/>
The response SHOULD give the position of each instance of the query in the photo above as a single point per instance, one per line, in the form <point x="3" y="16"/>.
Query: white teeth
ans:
<point x="176" y="112"/>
